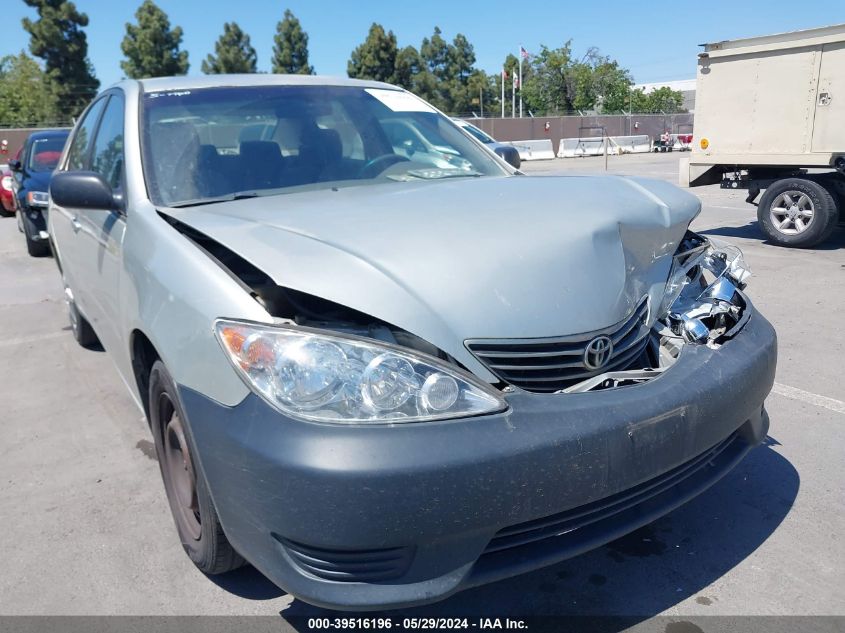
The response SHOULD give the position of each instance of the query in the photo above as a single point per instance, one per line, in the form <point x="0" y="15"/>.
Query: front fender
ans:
<point x="172" y="292"/>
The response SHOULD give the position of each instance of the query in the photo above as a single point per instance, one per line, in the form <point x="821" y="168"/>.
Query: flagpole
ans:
<point x="520" y="81"/>
<point x="513" y="98"/>
<point x="503" y="93"/>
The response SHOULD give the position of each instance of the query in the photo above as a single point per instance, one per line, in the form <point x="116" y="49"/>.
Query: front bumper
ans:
<point x="373" y="517"/>
<point x="35" y="219"/>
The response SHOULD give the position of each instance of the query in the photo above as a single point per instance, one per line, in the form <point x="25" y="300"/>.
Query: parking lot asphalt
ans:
<point x="87" y="529"/>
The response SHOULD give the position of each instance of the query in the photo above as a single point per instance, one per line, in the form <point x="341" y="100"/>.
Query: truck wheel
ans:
<point x="797" y="212"/>
<point x="187" y="491"/>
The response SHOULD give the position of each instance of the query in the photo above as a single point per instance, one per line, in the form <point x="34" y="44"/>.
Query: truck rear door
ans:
<point x="829" y="124"/>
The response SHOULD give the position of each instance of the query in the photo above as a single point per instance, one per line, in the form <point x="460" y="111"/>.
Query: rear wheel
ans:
<point x="187" y="491"/>
<point x="797" y="212"/>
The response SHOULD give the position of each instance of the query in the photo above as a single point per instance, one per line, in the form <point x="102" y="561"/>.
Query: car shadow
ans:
<point x="751" y="231"/>
<point x="644" y="573"/>
<point x="249" y="583"/>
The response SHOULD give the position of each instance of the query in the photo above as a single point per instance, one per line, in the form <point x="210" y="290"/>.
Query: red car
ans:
<point x="7" y="199"/>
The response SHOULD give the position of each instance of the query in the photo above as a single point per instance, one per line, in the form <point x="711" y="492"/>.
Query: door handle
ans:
<point x="76" y="224"/>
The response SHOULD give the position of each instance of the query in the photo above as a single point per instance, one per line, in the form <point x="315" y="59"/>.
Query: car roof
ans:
<point x="49" y="134"/>
<point x="160" y="84"/>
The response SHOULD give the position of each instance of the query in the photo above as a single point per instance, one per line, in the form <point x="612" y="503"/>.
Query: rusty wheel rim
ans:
<point x="182" y="482"/>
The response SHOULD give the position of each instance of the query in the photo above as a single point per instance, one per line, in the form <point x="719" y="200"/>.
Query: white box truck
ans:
<point x="770" y="116"/>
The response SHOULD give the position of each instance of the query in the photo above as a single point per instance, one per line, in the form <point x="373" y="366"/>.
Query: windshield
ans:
<point x="223" y="143"/>
<point x="45" y="153"/>
<point x="481" y="136"/>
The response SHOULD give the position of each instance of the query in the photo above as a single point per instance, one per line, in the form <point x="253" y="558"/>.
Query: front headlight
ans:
<point x="37" y="198"/>
<point x="701" y="301"/>
<point x="318" y="376"/>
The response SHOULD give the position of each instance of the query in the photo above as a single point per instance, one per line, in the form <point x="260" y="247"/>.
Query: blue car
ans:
<point x="31" y="183"/>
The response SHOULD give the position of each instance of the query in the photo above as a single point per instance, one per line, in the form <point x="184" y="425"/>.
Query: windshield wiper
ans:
<point x="436" y="174"/>
<point x="196" y="202"/>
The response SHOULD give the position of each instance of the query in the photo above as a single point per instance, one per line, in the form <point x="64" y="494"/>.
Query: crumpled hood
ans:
<point x="465" y="259"/>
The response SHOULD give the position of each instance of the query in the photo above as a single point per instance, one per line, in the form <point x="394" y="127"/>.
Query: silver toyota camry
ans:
<point x="379" y="364"/>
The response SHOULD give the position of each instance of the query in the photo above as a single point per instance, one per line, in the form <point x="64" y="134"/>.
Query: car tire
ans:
<point x="79" y="325"/>
<point x="193" y="511"/>
<point x="783" y="213"/>
<point x="35" y="249"/>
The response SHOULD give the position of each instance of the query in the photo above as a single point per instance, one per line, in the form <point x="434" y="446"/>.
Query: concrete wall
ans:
<point x="513" y="129"/>
<point x="576" y="126"/>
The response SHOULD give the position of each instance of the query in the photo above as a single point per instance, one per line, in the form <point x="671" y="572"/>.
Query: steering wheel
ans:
<point x="375" y="166"/>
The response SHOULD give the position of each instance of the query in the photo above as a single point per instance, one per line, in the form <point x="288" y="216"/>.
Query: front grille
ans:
<point x="372" y="565"/>
<point x="552" y="364"/>
<point x="567" y="523"/>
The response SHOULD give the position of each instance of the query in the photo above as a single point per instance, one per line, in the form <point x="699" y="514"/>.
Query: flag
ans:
<point x="523" y="52"/>
<point x="504" y="74"/>
<point x="515" y="81"/>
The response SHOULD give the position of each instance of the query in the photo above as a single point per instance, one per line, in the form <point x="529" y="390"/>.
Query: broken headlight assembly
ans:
<point x="327" y="377"/>
<point x="703" y="303"/>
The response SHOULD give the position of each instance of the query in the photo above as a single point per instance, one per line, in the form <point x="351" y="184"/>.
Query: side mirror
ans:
<point x="83" y="190"/>
<point x="15" y="165"/>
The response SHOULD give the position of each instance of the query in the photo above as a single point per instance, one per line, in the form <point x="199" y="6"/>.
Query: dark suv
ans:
<point x="31" y="182"/>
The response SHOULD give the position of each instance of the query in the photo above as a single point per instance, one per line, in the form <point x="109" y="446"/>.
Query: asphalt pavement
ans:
<point x="87" y="530"/>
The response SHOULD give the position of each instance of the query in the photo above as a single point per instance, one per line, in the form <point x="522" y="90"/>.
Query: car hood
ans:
<point x="37" y="181"/>
<point x="451" y="260"/>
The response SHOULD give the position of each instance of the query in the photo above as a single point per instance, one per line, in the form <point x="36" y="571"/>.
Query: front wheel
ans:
<point x="797" y="212"/>
<point x="187" y="491"/>
<point x="40" y="248"/>
<point x="79" y="325"/>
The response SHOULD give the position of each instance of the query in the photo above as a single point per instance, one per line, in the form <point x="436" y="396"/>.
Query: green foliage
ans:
<point x="407" y="68"/>
<point x="440" y="72"/>
<point x="57" y="38"/>
<point x="290" y="51"/>
<point x="558" y="83"/>
<point x="375" y="58"/>
<point x="233" y="53"/>
<point x="151" y="47"/>
<point x="660" y="100"/>
<point x="26" y="93"/>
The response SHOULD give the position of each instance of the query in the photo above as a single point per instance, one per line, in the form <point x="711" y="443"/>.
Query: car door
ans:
<point x="64" y="223"/>
<point x="102" y="230"/>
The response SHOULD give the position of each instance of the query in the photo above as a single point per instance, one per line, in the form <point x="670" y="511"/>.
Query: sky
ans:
<point x="655" y="39"/>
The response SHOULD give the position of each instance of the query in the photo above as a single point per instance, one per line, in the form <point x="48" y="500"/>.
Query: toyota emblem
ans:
<point x="598" y="352"/>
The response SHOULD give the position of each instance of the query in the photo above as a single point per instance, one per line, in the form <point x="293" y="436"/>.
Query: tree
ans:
<point x="151" y="47"/>
<point x="557" y="82"/>
<point x="407" y="68"/>
<point x="665" y="100"/>
<point x="550" y="85"/>
<point x="26" y="93"/>
<point x="57" y="38"/>
<point x="290" y="51"/>
<point x="375" y="58"/>
<point x="233" y="53"/>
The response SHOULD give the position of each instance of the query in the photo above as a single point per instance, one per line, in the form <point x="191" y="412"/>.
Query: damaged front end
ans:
<point x="703" y="305"/>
